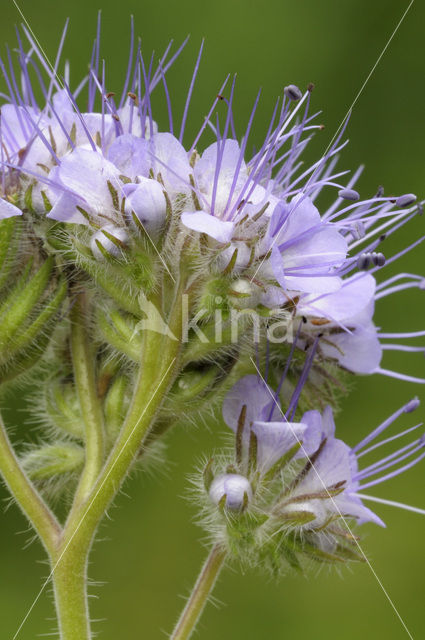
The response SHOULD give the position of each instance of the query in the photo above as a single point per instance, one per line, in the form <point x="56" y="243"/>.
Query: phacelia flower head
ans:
<point x="84" y="166"/>
<point x="111" y="177"/>
<point x="305" y="485"/>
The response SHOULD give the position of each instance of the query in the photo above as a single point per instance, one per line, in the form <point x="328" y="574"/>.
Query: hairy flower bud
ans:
<point x="234" y="489"/>
<point x="147" y="201"/>
<point x="244" y="294"/>
<point x="110" y="240"/>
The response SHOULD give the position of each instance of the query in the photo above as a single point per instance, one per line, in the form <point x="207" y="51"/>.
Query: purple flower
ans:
<point x="305" y="251"/>
<point x="330" y="487"/>
<point x="252" y="401"/>
<point x="86" y="184"/>
<point x="8" y="210"/>
<point x="329" y="478"/>
<point x="344" y="322"/>
<point x="147" y="201"/>
<point x="258" y="210"/>
<point x="343" y="319"/>
<point x="220" y="176"/>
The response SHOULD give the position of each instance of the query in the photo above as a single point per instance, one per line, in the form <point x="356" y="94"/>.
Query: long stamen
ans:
<point x="189" y="94"/>
<point x="410" y="406"/>
<point x="395" y="473"/>
<point x="391" y="503"/>
<point x="388" y="440"/>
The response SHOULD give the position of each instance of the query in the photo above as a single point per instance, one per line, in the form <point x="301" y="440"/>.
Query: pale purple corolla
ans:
<point x="331" y="477"/>
<point x="253" y="400"/>
<point x="344" y="322"/>
<point x="235" y="488"/>
<point x="258" y="205"/>
<point x="257" y="210"/>
<point x="288" y="239"/>
<point x="332" y="485"/>
<point x="8" y="209"/>
<point x="111" y="239"/>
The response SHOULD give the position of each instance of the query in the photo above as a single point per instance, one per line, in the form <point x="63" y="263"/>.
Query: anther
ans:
<point x="349" y="194"/>
<point x="412" y="405"/>
<point x="378" y="259"/>
<point x="292" y="92"/>
<point x="406" y="200"/>
<point x="364" y="261"/>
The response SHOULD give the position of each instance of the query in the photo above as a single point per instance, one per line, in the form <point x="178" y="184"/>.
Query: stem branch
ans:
<point x="200" y="594"/>
<point x="25" y="494"/>
<point x="84" y="376"/>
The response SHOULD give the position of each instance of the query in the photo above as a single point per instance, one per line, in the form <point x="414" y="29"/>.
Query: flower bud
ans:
<point x="147" y="201"/>
<point x="244" y="294"/>
<point x="214" y="294"/>
<point x="110" y="238"/>
<point x="234" y="488"/>
<point x="310" y="514"/>
<point x="62" y="410"/>
<point x="52" y="460"/>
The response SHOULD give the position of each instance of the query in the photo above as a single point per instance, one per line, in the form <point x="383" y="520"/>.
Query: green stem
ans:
<point x="25" y="494"/>
<point x="200" y="594"/>
<point x="69" y="584"/>
<point x="158" y="368"/>
<point x="85" y="382"/>
<point x="155" y="377"/>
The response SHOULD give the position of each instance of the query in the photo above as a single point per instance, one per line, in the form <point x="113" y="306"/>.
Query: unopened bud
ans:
<point x="147" y="201"/>
<point x="309" y="514"/>
<point x="244" y="294"/>
<point x="235" y="488"/>
<point x="108" y="240"/>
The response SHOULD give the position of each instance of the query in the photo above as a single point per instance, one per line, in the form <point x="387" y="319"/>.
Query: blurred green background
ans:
<point x="149" y="551"/>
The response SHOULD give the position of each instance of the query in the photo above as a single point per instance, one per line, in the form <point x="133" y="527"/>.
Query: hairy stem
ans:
<point x="200" y="594"/>
<point x="84" y="376"/>
<point x="25" y="494"/>
<point x="158" y="369"/>
<point x="70" y="589"/>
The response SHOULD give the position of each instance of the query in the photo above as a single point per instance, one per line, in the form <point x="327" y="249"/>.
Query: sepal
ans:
<point x="28" y="312"/>
<point x="52" y="460"/>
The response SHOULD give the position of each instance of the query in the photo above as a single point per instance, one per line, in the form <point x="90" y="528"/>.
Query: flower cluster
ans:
<point x="156" y="249"/>
<point x="252" y="219"/>
<point x="293" y="488"/>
